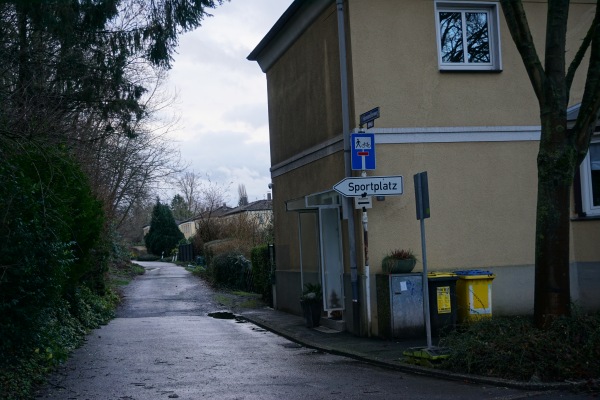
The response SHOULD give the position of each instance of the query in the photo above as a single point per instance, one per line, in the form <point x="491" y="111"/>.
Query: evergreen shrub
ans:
<point x="231" y="270"/>
<point x="261" y="272"/>
<point x="164" y="235"/>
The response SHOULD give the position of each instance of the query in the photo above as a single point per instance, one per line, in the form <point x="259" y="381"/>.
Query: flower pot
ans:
<point x="394" y="266"/>
<point x="312" y="312"/>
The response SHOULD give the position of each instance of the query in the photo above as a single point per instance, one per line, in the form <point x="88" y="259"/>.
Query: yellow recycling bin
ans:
<point x="474" y="294"/>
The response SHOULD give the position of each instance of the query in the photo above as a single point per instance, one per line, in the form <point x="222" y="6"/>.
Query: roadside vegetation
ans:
<point x="35" y="343"/>
<point x="513" y="348"/>
<point x="236" y="276"/>
<point x="81" y="152"/>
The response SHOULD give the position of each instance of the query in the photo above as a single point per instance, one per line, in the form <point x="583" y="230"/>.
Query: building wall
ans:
<point x="395" y="66"/>
<point x="482" y="193"/>
<point x="304" y="91"/>
<point x="482" y="198"/>
<point x="188" y="229"/>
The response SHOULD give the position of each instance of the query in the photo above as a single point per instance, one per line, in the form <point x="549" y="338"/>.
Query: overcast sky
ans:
<point x="221" y="101"/>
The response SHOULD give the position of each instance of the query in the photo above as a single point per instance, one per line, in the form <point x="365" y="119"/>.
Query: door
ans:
<point x="332" y="265"/>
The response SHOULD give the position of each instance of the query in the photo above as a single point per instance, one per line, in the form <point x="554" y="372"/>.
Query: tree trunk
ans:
<point x="556" y="168"/>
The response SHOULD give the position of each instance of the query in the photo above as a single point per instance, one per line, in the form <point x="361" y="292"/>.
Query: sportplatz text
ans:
<point x="373" y="187"/>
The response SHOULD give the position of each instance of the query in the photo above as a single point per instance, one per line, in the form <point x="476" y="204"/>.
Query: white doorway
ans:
<point x="332" y="263"/>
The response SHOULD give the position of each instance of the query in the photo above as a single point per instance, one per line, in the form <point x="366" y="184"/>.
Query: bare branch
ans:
<point x="519" y="30"/>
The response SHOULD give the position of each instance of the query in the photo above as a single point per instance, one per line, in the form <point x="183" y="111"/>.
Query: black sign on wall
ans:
<point x="422" y="195"/>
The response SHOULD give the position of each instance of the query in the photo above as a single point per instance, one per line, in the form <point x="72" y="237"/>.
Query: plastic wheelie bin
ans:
<point x="443" y="308"/>
<point x="474" y="294"/>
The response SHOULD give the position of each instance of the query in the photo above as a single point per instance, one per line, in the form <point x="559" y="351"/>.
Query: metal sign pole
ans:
<point x="419" y="189"/>
<point x="365" y="221"/>
<point x="425" y="281"/>
<point x="424" y="355"/>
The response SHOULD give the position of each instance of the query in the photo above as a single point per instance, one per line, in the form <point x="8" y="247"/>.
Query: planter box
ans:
<point x="312" y="312"/>
<point x="392" y="266"/>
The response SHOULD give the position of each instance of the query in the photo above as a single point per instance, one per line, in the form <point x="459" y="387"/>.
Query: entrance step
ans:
<point x="335" y="324"/>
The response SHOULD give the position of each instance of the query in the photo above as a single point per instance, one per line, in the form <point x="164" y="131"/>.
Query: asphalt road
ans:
<point x="163" y="345"/>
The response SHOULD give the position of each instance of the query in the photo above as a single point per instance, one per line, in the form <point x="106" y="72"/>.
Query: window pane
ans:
<point x="595" y="171"/>
<point x="451" y="37"/>
<point x="478" y="40"/>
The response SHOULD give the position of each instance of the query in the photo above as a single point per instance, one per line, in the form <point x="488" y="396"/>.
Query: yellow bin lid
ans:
<point x="437" y="275"/>
<point x="474" y="274"/>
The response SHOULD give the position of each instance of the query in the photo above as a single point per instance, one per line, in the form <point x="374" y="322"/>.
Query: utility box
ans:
<point x="400" y="306"/>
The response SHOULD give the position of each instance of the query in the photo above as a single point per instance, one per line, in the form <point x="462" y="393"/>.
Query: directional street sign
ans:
<point x="363" y="151"/>
<point x="370" y="186"/>
<point x="369" y="117"/>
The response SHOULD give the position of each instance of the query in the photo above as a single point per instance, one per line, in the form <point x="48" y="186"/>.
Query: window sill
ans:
<point x="586" y="218"/>
<point x="470" y="70"/>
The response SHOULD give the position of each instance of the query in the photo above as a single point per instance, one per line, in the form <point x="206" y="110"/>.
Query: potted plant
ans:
<point x="312" y="302"/>
<point x="399" y="261"/>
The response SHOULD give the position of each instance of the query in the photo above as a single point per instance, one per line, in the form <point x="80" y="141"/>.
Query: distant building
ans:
<point x="190" y="226"/>
<point x="259" y="213"/>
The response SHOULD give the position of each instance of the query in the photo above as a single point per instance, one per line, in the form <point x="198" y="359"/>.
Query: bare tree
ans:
<point x="190" y="185"/>
<point x="561" y="149"/>
<point x="242" y="195"/>
<point x="212" y="203"/>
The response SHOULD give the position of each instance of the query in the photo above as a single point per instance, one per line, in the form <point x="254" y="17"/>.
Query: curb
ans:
<point x="418" y="370"/>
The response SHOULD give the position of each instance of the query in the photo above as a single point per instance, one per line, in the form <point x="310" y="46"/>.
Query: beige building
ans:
<point x="191" y="226"/>
<point x="467" y="116"/>
<point x="258" y="214"/>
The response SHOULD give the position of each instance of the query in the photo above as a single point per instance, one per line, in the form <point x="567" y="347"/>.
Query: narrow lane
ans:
<point x="163" y="345"/>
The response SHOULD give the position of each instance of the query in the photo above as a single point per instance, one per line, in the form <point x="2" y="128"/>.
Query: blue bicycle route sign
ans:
<point x="363" y="151"/>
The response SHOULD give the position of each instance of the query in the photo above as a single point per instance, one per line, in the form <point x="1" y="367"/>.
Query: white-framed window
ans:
<point x="468" y="36"/>
<point x="590" y="180"/>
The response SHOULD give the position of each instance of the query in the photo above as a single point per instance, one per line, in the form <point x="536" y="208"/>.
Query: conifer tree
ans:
<point x="164" y="234"/>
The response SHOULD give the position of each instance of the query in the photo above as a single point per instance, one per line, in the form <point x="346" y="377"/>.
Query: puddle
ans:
<point x="222" y="315"/>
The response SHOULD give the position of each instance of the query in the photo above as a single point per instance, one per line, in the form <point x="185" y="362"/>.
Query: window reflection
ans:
<point x="452" y="37"/>
<point x="478" y="42"/>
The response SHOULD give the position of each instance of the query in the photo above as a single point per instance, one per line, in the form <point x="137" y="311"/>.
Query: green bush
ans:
<point x="148" y="257"/>
<point x="261" y="272"/>
<point x="49" y="237"/>
<point x="59" y="328"/>
<point x="55" y="258"/>
<point x="230" y="270"/>
<point x="512" y="348"/>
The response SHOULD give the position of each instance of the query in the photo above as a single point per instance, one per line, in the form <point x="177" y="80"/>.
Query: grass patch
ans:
<point x="224" y="300"/>
<point x="236" y="300"/>
<point x="253" y="303"/>
<point x="121" y="274"/>
<point x="512" y="348"/>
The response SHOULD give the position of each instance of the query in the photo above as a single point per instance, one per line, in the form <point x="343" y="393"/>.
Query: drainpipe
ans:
<point x="347" y="206"/>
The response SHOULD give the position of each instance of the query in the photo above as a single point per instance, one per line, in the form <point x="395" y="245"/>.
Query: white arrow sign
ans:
<point x="370" y="186"/>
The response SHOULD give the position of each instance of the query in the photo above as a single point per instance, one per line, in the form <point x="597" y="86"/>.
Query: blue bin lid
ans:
<point x="472" y="272"/>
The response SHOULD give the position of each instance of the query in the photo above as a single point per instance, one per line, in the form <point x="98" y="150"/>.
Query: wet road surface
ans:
<point x="163" y="345"/>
